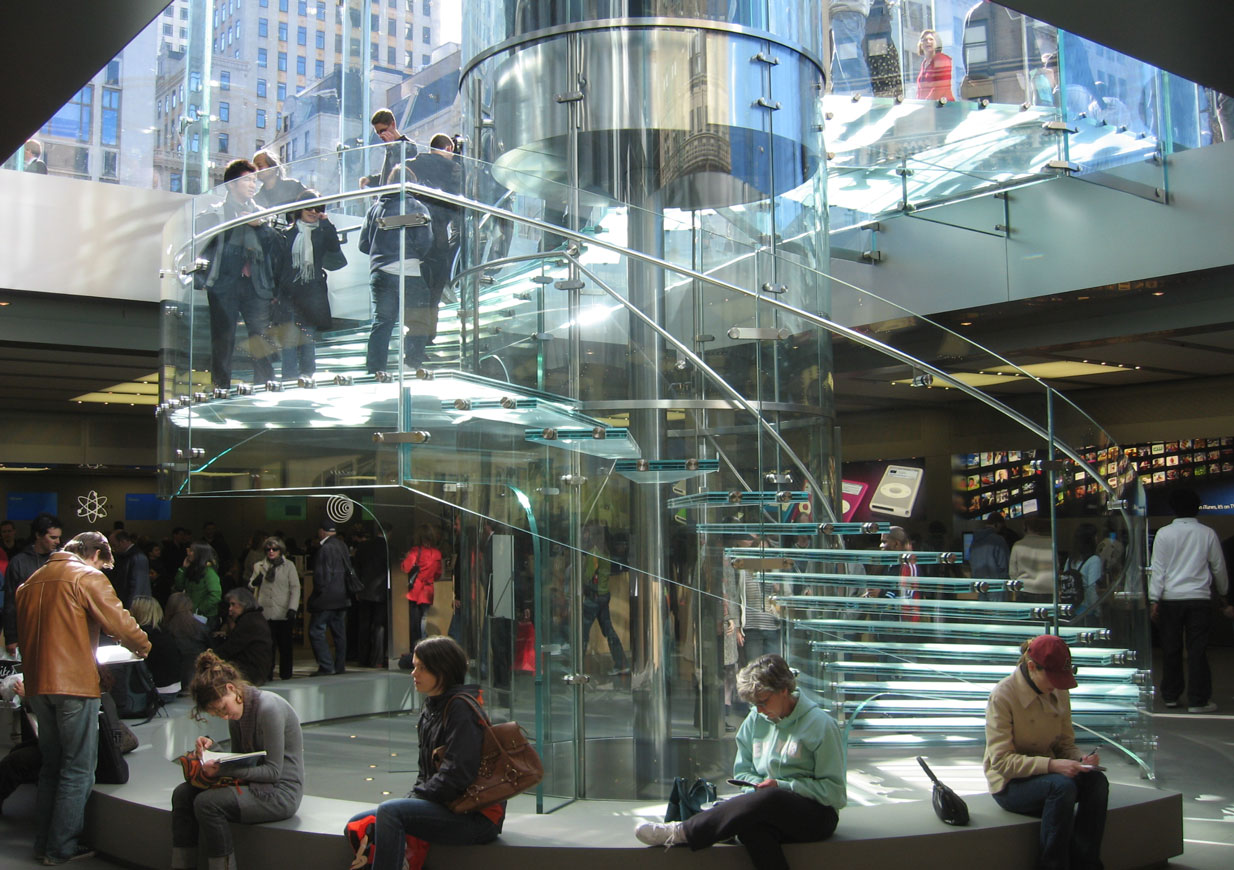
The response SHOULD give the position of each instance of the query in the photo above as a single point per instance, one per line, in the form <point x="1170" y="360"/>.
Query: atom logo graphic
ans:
<point x="92" y="506"/>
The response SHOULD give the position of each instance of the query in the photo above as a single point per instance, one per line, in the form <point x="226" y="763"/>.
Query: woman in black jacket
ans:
<point x="248" y="644"/>
<point x="310" y="249"/>
<point x="439" y="668"/>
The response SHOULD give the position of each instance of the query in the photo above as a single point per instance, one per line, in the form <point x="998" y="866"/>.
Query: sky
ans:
<point x="452" y="21"/>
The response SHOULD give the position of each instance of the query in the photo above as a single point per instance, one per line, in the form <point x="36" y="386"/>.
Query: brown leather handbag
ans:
<point x="509" y="764"/>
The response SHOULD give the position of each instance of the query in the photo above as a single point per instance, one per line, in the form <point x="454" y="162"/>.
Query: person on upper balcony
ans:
<point x="934" y="80"/>
<point x="396" y="255"/>
<point x="439" y="168"/>
<point x="310" y="248"/>
<point x="847" y="21"/>
<point x="387" y="131"/>
<point x="34" y="157"/>
<point x="276" y="187"/>
<point x="239" y="279"/>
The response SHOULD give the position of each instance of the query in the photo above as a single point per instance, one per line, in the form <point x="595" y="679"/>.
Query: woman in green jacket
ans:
<point x="198" y="577"/>
<point x="791" y="755"/>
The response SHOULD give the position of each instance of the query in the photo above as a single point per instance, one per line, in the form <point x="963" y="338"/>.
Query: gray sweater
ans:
<point x="277" y="784"/>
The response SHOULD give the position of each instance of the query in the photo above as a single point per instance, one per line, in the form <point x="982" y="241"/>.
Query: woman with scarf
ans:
<point x="276" y="585"/>
<point x="310" y="249"/>
<point x="271" y="787"/>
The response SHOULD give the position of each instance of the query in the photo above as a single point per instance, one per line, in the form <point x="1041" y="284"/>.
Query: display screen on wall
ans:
<point x="1000" y="481"/>
<point x="146" y="506"/>
<point x="1203" y="464"/>
<point x="890" y="491"/>
<point x="20" y="506"/>
<point x="286" y="509"/>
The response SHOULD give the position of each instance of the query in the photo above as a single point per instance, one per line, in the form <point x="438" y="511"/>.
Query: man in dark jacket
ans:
<point x="131" y="576"/>
<point x="328" y="601"/>
<point x="248" y="643"/>
<point x="440" y="169"/>
<point x="398" y="147"/>
<point x="373" y="567"/>
<point x="310" y="248"/>
<point x="45" y="532"/>
<point x="396" y="252"/>
<point x="988" y="556"/>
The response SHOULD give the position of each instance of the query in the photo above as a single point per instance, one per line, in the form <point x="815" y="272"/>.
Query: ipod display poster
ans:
<point x="146" y="506"/>
<point x="883" y="491"/>
<point x="25" y="506"/>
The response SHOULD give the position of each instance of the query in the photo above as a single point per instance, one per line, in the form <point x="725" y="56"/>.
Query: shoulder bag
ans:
<point x="509" y="764"/>
<point x="948" y="805"/>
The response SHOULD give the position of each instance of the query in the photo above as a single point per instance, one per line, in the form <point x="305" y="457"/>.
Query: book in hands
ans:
<point x="209" y="755"/>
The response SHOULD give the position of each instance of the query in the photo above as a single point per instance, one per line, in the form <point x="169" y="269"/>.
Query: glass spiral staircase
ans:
<point x="725" y="469"/>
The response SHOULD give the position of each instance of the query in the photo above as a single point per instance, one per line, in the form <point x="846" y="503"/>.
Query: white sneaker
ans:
<point x="1210" y="707"/>
<point x="660" y="834"/>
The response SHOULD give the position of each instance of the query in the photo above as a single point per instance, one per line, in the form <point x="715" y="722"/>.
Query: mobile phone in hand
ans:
<point x="741" y="783"/>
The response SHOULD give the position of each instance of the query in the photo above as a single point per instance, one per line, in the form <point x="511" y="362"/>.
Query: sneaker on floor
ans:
<point x="660" y="834"/>
<point x="619" y="672"/>
<point x="56" y="860"/>
<point x="1210" y="707"/>
<point x="1172" y="704"/>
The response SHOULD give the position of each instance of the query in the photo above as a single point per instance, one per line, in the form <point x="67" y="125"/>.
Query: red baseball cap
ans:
<point x="1049" y="652"/>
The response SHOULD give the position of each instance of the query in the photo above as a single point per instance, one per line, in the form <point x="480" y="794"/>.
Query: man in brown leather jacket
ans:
<point x="60" y="611"/>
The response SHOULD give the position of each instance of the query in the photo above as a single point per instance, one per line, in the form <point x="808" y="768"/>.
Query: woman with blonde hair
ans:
<point x="934" y="80"/>
<point x="272" y="787"/>
<point x="1032" y="763"/>
<point x="275" y="584"/>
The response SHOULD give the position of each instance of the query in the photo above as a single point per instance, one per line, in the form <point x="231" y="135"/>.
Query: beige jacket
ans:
<point x="1024" y="730"/>
<point x="60" y="610"/>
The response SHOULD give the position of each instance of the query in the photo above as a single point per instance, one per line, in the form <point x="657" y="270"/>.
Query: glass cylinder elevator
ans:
<point x="686" y="134"/>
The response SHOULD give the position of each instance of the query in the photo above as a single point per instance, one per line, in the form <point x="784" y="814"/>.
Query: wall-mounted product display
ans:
<point x="890" y="491"/>
<point x="1002" y="481"/>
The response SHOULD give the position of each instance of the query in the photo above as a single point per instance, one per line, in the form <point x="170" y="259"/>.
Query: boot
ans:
<point x="226" y="862"/>
<point x="183" y="858"/>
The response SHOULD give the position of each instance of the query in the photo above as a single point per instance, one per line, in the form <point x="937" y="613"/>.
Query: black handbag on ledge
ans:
<point x="948" y="805"/>
<point x="687" y="800"/>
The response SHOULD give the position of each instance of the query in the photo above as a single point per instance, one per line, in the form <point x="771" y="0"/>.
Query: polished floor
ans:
<point x="368" y="759"/>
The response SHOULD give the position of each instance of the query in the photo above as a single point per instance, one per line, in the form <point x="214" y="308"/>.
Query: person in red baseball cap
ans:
<point x="1032" y="763"/>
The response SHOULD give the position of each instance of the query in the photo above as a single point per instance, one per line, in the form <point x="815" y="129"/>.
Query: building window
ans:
<point x="194" y="81"/>
<point x="282" y="5"/>
<point x="282" y="31"/>
<point x="168" y="30"/>
<point x="281" y="91"/>
<point x="301" y="66"/>
<point x="225" y="80"/>
<point x="75" y="117"/>
<point x="427" y="35"/>
<point x="390" y="55"/>
<point x="425" y="60"/>
<point x="176" y="183"/>
<point x="338" y="43"/>
<point x="374" y="23"/>
<point x="302" y="36"/>
<point x="263" y="27"/>
<point x="278" y="121"/>
<point x="320" y="40"/>
<point x="110" y="132"/>
<point x="302" y="7"/>
<point x="428" y="7"/>
<point x="224" y="142"/>
<point x="282" y="61"/>
<point x="111" y="164"/>
<point x="112" y="76"/>
<point x="195" y="143"/>
<point x="373" y="52"/>
<point x="390" y="23"/>
<point x="224" y="111"/>
<point x="319" y="69"/>
<point x="168" y="12"/>
<point x="261" y="87"/>
<point x="261" y="57"/>
<point x="261" y="119"/>
<point x="321" y="11"/>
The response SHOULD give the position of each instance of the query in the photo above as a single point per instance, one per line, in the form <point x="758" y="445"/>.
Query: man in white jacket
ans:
<point x="1187" y="562"/>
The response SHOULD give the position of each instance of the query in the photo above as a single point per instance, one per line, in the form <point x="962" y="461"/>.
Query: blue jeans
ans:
<point x="431" y="822"/>
<point x="416" y="314"/>
<point x="1070" y="837"/>
<point x="69" y="743"/>
<point x="849" y="72"/>
<point x="596" y="607"/>
<point x="336" y="621"/>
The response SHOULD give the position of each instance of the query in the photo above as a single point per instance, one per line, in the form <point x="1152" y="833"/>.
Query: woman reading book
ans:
<point x="272" y="784"/>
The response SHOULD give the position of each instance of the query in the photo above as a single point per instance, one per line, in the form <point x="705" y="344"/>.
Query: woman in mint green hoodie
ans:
<point x="791" y="754"/>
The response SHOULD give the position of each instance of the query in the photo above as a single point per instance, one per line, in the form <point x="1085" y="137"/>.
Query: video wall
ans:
<point x="1014" y="483"/>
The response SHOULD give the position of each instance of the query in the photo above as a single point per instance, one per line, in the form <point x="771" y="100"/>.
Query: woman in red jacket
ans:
<point x="934" y="80"/>
<point x="422" y="565"/>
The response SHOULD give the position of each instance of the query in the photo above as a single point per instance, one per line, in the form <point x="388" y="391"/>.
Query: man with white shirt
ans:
<point x="1187" y="561"/>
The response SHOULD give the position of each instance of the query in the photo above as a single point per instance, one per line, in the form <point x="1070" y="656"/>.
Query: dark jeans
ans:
<point x="427" y="820"/>
<point x="280" y="631"/>
<point x="371" y="633"/>
<point x="762" y="819"/>
<point x="415" y="614"/>
<point x="336" y="622"/>
<point x="416" y="303"/>
<point x="1072" y="812"/>
<point x="69" y="743"/>
<point x="229" y="300"/>
<point x="306" y="311"/>
<point x="596" y="607"/>
<point x="1186" y="623"/>
<point x="759" y="642"/>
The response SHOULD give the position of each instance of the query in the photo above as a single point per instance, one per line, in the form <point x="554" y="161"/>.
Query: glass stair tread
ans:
<point x="960" y="706"/>
<point x="734" y="498"/>
<point x="1082" y="655"/>
<point x="871" y="581"/>
<point x="960" y="670"/>
<point x="664" y="470"/>
<point x="911" y="723"/>
<point x="976" y="631"/>
<point x="606" y="442"/>
<point x="960" y="689"/>
<point x="757" y="528"/>
<point x="1005" y="610"/>
<point x="844" y="557"/>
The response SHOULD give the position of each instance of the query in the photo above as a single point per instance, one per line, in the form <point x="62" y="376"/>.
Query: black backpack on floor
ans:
<point x="134" y="691"/>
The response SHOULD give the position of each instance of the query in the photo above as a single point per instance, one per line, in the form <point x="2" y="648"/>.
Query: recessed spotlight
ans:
<point x="1158" y="292"/>
<point x="966" y="323"/>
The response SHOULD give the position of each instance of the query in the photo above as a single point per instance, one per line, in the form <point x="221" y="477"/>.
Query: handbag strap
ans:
<point x="929" y="772"/>
<point x="479" y="711"/>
